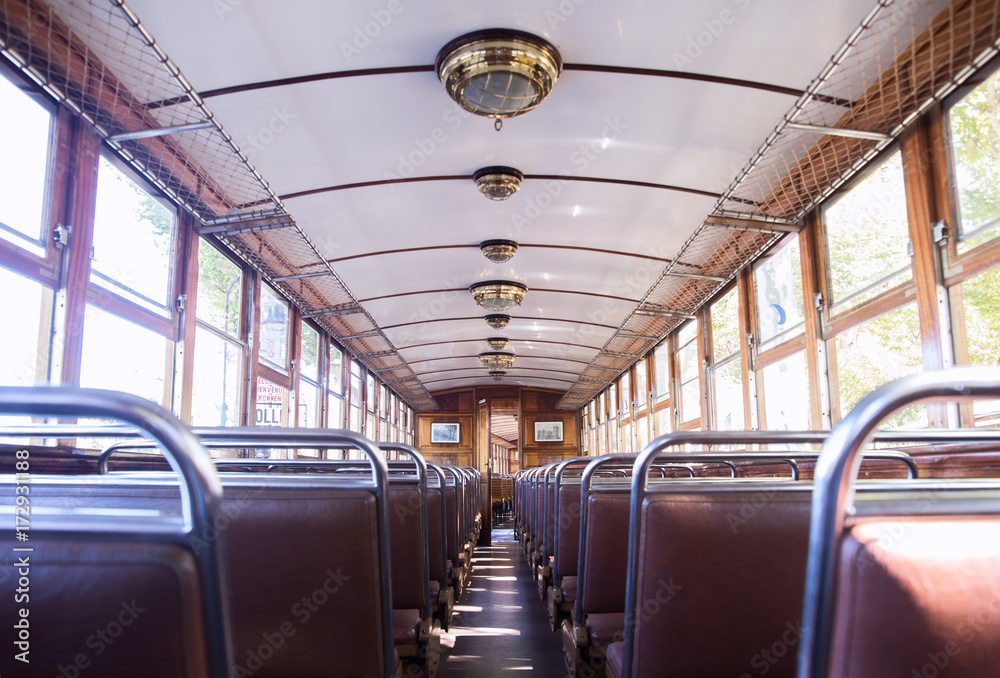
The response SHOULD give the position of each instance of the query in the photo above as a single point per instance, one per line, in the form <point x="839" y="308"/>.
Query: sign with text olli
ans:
<point x="270" y="403"/>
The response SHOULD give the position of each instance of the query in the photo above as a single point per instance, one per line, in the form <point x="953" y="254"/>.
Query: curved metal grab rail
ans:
<point x="200" y="489"/>
<point x="833" y="495"/>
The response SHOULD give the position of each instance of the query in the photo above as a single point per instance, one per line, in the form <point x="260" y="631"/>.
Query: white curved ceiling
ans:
<point x="591" y="250"/>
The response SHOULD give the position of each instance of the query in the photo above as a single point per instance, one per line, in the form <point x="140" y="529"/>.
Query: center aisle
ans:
<point x="500" y="625"/>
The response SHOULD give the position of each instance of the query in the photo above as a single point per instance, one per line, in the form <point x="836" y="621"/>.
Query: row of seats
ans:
<point x="242" y="567"/>
<point x="653" y="568"/>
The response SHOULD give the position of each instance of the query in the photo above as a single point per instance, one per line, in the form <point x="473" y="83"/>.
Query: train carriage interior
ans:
<point x="584" y="338"/>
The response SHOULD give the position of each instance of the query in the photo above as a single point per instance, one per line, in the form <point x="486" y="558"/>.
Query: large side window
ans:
<point x="274" y="326"/>
<point x="687" y="371"/>
<point x="219" y="349"/>
<point x="726" y="371"/>
<point x="26" y="123"/>
<point x="976" y="307"/>
<point x="867" y="237"/>
<point x="134" y="235"/>
<point x="27" y="306"/>
<point x="335" y="388"/>
<point x="777" y="286"/>
<point x="309" y="403"/>
<point x="974" y="126"/>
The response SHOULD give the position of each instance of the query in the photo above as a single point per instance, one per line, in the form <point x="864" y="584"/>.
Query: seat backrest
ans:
<point x="604" y="553"/>
<point x="83" y="606"/>
<point x="567" y="524"/>
<point x="720" y="583"/>
<point x="918" y="596"/>
<point x="305" y="565"/>
<point x="407" y="546"/>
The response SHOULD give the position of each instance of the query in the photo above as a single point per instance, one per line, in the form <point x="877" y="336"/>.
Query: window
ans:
<point x="335" y="389"/>
<point x="641" y="385"/>
<point x="309" y="402"/>
<point x="786" y="397"/>
<point x="867" y="237"/>
<point x="27" y="306"/>
<point x="25" y="132"/>
<point x="122" y="356"/>
<point x="218" y="353"/>
<point x="977" y="329"/>
<point x="661" y="367"/>
<point x="133" y="248"/>
<point x="777" y="283"/>
<point x="218" y="379"/>
<point x="687" y="372"/>
<point x="727" y="372"/>
<point x="354" y="421"/>
<point x="274" y="324"/>
<point x="626" y="393"/>
<point x="219" y="290"/>
<point x="877" y="352"/>
<point x="975" y="144"/>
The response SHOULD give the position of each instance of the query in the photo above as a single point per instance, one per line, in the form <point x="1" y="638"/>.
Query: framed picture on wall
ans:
<point x="445" y="433"/>
<point x="548" y="431"/>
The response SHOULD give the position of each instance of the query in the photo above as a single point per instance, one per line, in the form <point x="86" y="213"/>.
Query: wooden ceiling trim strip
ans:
<point x="513" y="318"/>
<point x="511" y="339"/>
<point x="530" y="369"/>
<point x="476" y="356"/>
<point x="701" y="77"/>
<point x="297" y="80"/>
<point x="527" y="177"/>
<point x="480" y="378"/>
<point x="530" y="289"/>
<point x="521" y="246"/>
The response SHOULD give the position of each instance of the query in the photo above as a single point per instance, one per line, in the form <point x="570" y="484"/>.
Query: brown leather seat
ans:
<point x="102" y="608"/>
<point x="405" y="627"/>
<point x="569" y="591"/>
<point x="604" y="628"/>
<point x="614" y="659"/>
<point x="720" y="583"/>
<point x="305" y="592"/>
<point x="918" y="597"/>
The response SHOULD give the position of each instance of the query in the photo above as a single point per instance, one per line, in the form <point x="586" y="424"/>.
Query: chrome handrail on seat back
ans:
<point x="200" y="489"/>
<point x="834" y="487"/>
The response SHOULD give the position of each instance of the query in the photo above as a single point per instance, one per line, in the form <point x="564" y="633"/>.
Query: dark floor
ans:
<point x="500" y="624"/>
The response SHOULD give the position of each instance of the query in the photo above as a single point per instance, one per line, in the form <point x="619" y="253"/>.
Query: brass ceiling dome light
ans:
<point x="498" y="375"/>
<point x="497" y="360"/>
<point x="498" y="343"/>
<point x="498" y="251"/>
<point x="498" y="73"/>
<point x="497" y="321"/>
<point x="498" y="295"/>
<point x="498" y="182"/>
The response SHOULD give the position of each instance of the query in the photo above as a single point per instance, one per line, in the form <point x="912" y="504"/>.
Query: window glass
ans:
<point x="309" y="402"/>
<point x="122" y="356"/>
<point x="626" y="438"/>
<point x="867" y="237"/>
<point x="640" y="384"/>
<point x="777" y="283"/>
<point x="371" y="391"/>
<point x="877" y="352"/>
<point x="727" y="380"/>
<point x="28" y="305"/>
<point x="271" y="400"/>
<point x="274" y="313"/>
<point x="786" y="394"/>
<point x="334" y="412"/>
<point x="975" y="141"/>
<point x="219" y="290"/>
<point x="976" y="303"/>
<point x="626" y="394"/>
<point x="687" y="371"/>
<point x="642" y="428"/>
<point x="661" y="364"/>
<point x="133" y="240"/>
<point x="215" y="396"/>
<point x="725" y="326"/>
<point x="336" y="359"/>
<point x="663" y="423"/>
<point x="25" y="130"/>
<point x="612" y="402"/>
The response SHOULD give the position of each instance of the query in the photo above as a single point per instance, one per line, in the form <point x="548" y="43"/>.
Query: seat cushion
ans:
<point x="405" y="627"/>
<point x="615" y="652"/>
<point x="569" y="590"/>
<point x="605" y="628"/>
